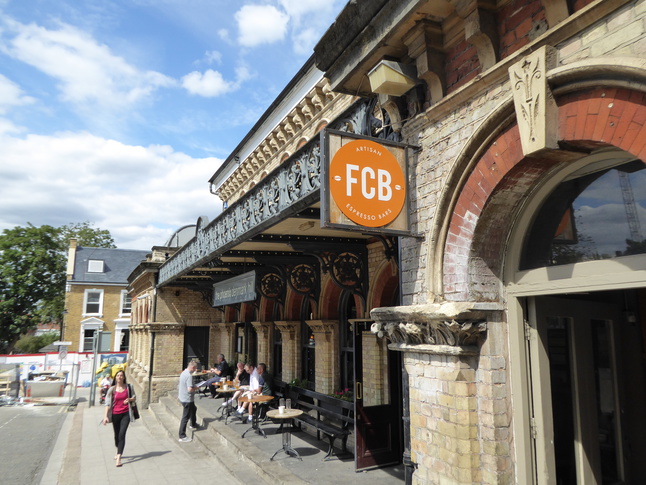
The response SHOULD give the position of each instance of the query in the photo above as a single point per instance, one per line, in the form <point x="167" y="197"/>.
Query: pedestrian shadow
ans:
<point x="151" y="454"/>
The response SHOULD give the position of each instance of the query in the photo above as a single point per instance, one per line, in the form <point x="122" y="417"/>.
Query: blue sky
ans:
<point x="117" y="112"/>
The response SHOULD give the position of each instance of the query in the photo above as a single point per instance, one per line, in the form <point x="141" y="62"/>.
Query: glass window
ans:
<point x="277" y="364"/>
<point x="591" y="216"/>
<point x="88" y="340"/>
<point x="93" y="302"/>
<point x="126" y="303"/>
<point x="124" y="343"/>
<point x="95" y="266"/>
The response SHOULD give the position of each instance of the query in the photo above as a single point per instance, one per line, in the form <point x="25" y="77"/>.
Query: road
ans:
<point x="27" y="436"/>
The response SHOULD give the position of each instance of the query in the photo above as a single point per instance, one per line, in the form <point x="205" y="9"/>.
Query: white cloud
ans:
<point x="298" y="8"/>
<point x="208" y="84"/>
<point x="140" y="194"/>
<point x="11" y="95"/>
<point x="260" y="24"/>
<point x="212" y="57"/>
<point x="86" y="71"/>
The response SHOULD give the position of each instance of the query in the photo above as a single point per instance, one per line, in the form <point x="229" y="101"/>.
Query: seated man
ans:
<point x="220" y="370"/>
<point x="240" y="379"/>
<point x="254" y="388"/>
<point x="265" y="385"/>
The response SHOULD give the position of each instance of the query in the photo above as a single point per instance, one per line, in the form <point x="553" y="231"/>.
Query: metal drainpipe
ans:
<point x="409" y="465"/>
<point x="152" y="347"/>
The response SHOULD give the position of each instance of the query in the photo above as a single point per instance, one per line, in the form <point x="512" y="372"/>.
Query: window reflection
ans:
<point x="595" y="216"/>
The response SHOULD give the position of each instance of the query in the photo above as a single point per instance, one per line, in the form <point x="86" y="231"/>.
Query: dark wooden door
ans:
<point x="196" y="346"/>
<point x="377" y="412"/>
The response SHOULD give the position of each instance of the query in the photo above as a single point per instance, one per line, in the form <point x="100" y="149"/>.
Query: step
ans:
<point x="227" y="445"/>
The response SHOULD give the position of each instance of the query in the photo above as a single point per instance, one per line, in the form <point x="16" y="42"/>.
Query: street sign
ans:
<point x="62" y="352"/>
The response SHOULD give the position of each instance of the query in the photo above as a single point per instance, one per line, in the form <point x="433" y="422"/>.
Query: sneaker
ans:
<point x="240" y="410"/>
<point x="224" y="404"/>
<point x="185" y="439"/>
<point x="249" y="419"/>
<point x="197" y="426"/>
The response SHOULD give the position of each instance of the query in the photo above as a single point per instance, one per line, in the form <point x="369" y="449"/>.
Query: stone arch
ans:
<point x="500" y="177"/>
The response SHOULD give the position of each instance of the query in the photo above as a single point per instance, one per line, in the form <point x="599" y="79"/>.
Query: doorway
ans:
<point x="196" y="346"/>
<point x="377" y="398"/>
<point x="585" y="359"/>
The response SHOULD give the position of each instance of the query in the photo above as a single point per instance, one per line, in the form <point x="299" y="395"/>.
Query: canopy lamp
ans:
<point x="392" y="78"/>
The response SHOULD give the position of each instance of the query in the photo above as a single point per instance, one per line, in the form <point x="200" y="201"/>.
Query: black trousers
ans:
<point x="120" y="423"/>
<point x="189" y="413"/>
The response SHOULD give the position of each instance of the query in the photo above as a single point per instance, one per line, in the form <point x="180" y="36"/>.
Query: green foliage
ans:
<point x="302" y="383"/>
<point x="32" y="274"/>
<point x="31" y="344"/>
<point x="85" y="235"/>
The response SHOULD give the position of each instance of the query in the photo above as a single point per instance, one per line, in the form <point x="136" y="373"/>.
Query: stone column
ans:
<point x="291" y="333"/>
<point x="326" y="337"/>
<point x="263" y="329"/>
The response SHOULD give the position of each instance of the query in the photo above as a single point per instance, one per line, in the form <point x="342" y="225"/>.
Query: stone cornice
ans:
<point x="453" y="324"/>
<point x="159" y="327"/>
<point x="286" y="135"/>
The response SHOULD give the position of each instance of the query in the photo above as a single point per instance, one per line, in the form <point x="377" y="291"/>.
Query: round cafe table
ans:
<point x="286" y="418"/>
<point x="256" y="400"/>
<point x="228" y="409"/>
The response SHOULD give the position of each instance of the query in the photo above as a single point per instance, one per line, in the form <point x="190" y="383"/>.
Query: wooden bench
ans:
<point x="328" y="415"/>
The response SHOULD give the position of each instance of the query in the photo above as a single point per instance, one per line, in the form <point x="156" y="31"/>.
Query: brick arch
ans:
<point x="267" y="308"/>
<point x="330" y="296"/>
<point x="385" y="285"/>
<point x="484" y="211"/>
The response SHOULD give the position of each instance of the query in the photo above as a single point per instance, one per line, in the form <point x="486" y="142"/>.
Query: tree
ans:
<point x="32" y="274"/>
<point x="85" y="235"/>
<point x="31" y="344"/>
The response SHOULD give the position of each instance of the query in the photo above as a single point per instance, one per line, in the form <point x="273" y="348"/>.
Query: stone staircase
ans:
<point x="246" y="461"/>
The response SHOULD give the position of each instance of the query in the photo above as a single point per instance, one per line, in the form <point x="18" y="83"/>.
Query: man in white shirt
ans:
<point x="254" y="389"/>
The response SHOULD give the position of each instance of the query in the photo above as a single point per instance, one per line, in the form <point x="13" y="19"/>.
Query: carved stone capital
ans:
<point x="288" y="329"/>
<point x="322" y="326"/>
<point x="263" y="327"/>
<point x="536" y="110"/>
<point x="453" y="324"/>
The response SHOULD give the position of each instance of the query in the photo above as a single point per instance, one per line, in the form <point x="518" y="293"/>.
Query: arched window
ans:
<point x="596" y="213"/>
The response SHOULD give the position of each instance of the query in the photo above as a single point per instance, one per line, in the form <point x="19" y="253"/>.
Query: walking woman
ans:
<point x="117" y="411"/>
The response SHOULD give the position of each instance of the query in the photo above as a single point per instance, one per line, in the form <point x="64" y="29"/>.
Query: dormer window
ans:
<point x="95" y="266"/>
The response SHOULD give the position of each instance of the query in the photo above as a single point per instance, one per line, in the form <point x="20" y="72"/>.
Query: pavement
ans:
<point x="84" y="451"/>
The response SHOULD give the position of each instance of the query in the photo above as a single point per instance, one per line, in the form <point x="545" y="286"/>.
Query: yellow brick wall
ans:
<point x="74" y="305"/>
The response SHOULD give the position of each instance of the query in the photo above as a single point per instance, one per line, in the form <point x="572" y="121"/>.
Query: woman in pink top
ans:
<point x="117" y="411"/>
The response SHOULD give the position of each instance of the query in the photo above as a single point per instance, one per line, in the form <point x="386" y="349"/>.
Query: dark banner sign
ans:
<point x="365" y="184"/>
<point x="235" y="290"/>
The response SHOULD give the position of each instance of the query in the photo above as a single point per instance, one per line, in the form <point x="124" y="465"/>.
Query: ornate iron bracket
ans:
<point x="303" y="278"/>
<point x="348" y="269"/>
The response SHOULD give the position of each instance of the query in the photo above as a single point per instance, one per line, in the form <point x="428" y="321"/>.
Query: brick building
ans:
<point x="503" y="337"/>
<point x="96" y="296"/>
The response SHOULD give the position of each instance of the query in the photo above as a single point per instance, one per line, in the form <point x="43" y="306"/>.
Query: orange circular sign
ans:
<point x="367" y="183"/>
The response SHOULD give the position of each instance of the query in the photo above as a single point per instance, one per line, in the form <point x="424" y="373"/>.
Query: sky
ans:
<point x="117" y="112"/>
